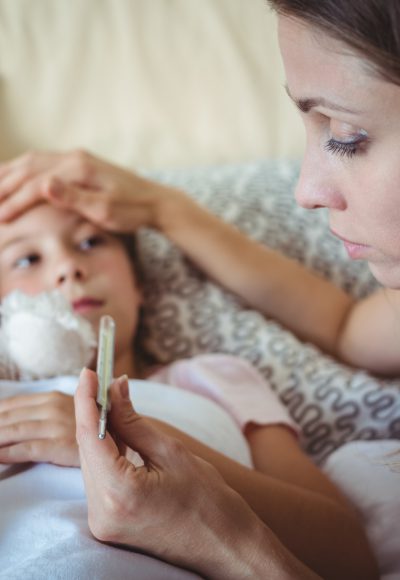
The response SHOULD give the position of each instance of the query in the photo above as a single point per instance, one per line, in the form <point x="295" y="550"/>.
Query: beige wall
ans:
<point x="151" y="83"/>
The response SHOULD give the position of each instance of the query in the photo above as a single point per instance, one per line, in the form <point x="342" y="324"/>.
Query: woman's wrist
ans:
<point x="173" y="211"/>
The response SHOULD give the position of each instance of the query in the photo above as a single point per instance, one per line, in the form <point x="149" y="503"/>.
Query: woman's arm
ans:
<point x="295" y="499"/>
<point x="177" y="506"/>
<point x="360" y="333"/>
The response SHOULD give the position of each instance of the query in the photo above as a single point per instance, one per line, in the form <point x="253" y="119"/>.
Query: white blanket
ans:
<point x="43" y="522"/>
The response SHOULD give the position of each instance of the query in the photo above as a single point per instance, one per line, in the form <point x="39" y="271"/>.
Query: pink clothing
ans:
<point x="233" y="383"/>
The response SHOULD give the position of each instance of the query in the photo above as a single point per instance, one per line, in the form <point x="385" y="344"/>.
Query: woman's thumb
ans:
<point x="133" y="429"/>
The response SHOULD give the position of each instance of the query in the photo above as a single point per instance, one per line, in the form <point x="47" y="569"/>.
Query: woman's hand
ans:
<point x="114" y="198"/>
<point x="176" y="506"/>
<point x="38" y="427"/>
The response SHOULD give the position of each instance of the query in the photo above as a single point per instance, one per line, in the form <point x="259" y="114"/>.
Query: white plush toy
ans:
<point x="42" y="337"/>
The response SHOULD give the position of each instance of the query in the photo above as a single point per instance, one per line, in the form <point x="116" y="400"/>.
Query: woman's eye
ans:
<point x="91" y="242"/>
<point x="342" y="148"/>
<point x="353" y="142"/>
<point x="26" y="261"/>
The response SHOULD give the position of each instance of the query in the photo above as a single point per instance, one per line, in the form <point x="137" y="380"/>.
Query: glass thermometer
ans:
<point x="105" y="368"/>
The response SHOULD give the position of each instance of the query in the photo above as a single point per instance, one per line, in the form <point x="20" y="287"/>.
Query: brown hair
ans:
<point x="370" y="27"/>
<point x="143" y="359"/>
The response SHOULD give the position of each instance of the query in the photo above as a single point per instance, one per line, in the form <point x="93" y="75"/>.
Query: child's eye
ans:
<point x="91" y="242"/>
<point x="26" y="261"/>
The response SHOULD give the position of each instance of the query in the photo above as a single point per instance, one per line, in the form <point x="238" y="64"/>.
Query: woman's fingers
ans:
<point x="31" y="193"/>
<point x="100" y="457"/>
<point x="112" y="197"/>
<point x="17" y="171"/>
<point x="25" y="180"/>
<point x="136" y="431"/>
<point x="92" y="204"/>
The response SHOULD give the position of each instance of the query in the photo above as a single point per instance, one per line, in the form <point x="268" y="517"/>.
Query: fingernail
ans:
<point x="123" y="386"/>
<point x="83" y="373"/>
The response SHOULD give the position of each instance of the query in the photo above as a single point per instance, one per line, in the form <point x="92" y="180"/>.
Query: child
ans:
<point x="49" y="248"/>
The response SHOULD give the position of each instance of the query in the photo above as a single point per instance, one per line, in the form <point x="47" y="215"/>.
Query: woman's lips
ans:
<point x="86" y="304"/>
<point x="355" y="250"/>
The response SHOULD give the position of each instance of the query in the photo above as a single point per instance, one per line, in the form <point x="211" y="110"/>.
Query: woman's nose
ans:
<point x="318" y="186"/>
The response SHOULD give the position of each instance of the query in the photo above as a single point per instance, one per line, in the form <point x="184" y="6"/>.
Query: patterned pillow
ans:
<point x="186" y="314"/>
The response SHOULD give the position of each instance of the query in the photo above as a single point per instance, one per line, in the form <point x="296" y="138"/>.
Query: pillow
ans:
<point x="187" y="314"/>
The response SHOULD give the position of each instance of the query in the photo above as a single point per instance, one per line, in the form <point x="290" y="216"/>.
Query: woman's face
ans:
<point x="352" y="160"/>
<point x="48" y="248"/>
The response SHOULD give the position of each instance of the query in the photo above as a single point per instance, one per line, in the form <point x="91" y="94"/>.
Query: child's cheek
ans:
<point x="29" y="285"/>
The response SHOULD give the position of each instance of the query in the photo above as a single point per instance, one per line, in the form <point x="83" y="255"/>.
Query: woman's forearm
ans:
<point x="255" y="554"/>
<point x="270" y="282"/>
<point x="319" y="529"/>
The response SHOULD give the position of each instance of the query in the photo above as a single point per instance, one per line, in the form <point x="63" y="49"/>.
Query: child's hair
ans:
<point x="143" y="359"/>
<point x="130" y="244"/>
<point x="371" y="27"/>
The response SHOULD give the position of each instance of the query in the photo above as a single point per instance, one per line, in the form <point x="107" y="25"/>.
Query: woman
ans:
<point x="342" y="61"/>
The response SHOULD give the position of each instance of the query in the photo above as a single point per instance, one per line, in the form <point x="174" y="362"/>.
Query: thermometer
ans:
<point x="105" y="368"/>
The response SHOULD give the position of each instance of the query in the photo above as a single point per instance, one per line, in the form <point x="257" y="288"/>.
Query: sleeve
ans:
<point x="231" y="382"/>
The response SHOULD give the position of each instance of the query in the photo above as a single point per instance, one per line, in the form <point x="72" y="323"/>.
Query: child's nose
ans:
<point x="69" y="270"/>
<point x="72" y="275"/>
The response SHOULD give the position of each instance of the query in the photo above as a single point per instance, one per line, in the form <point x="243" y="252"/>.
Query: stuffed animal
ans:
<point x="42" y="337"/>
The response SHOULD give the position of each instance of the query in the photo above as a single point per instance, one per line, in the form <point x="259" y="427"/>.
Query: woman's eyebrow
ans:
<point x="305" y="105"/>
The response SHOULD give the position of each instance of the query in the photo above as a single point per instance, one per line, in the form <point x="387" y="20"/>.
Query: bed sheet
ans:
<point x="43" y="525"/>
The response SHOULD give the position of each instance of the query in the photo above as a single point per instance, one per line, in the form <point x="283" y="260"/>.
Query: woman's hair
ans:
<point x="370" y="27"/>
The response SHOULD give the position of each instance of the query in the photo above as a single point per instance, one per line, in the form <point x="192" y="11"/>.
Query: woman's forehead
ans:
<point x="322" y="69"/>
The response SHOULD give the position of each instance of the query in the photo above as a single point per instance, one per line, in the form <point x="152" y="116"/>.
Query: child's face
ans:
<point x="48" y="248"/>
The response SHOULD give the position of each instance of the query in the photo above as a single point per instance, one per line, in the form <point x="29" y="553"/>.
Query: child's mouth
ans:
<point x="86" y="304"/>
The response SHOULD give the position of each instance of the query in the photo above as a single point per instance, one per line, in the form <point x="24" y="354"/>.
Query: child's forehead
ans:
<point x="40" y="219"/>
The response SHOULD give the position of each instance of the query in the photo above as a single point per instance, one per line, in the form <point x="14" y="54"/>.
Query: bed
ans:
<point x="337" y="407"/>
<point x="108" y="77"/>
